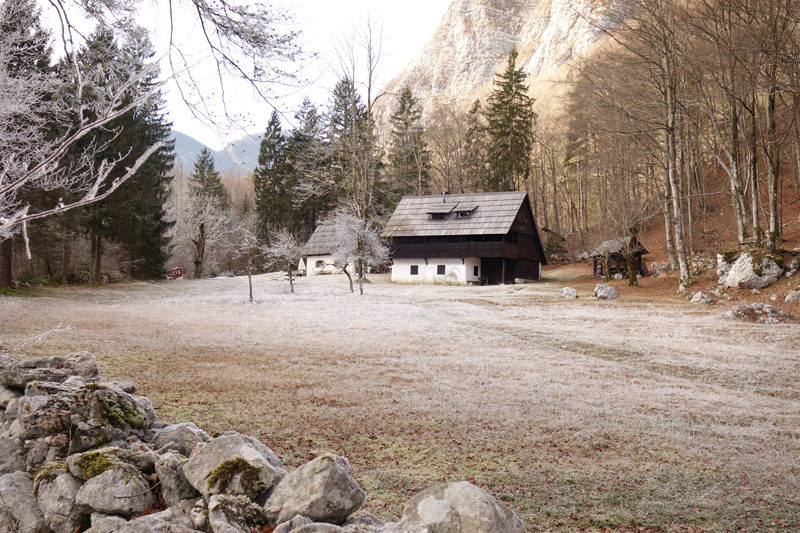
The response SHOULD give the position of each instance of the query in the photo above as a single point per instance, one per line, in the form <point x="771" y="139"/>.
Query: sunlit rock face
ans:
<point x="458" y="63"/>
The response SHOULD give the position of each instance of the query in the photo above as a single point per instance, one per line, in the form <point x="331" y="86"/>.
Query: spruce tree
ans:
<point x="133" y="217"/>
<point x="510" y="118"/>
<point x="408" y="155"/>
<point x="205" y="178"/>
<point x="272" y="180"/>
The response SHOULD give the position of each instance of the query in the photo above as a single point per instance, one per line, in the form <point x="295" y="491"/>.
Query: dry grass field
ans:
<point x="640" y="414"/>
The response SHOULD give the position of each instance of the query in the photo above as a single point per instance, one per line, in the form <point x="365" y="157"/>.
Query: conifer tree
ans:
<point x="510" y="118"/>
<point x="408" y="154"/>
<point x="134" y="216"/>
<point x="272" y="180"/>
<point x="205" y="178"/>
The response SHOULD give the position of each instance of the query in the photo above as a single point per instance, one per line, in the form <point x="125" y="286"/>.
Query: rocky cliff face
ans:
<point x="472" y="42"/>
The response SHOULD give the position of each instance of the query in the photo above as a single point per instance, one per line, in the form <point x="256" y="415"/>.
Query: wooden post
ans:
<point x="6" y="269"/>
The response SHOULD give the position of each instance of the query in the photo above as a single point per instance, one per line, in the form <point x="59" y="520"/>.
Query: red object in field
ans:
<point x="175" y="273"/>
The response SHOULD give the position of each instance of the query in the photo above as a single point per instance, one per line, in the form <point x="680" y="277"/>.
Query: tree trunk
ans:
<point x="606" y="268"/>
<point x="6" y="249"/>
<point x="199" y="251"/>
<point x="250" y="281"/>
<point x="64" y="260"/>
<point x="774" y="169"/>
<point x="633" y="274"/>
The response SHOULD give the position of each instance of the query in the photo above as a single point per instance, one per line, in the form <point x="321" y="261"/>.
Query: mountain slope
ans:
<point x="472" y="42"/>
<point x="241" y="155"/>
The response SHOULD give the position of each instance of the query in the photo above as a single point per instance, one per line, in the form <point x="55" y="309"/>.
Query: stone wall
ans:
<point x="79" y="454"/>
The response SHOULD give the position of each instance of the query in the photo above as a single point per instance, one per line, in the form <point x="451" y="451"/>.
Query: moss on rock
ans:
<point x="96" y="462"/>
<point x="226" y="471"/>
<point x="47" y="473"/>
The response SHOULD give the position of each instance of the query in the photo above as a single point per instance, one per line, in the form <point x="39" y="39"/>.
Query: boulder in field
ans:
<point x="569" y="293"/>
<point x="605" y="292"/>
<point x="55" y="490"/>
<point x="19" y="510"/>
<point x="456" y="507"/>
<point x="119" y="491"/>
<point x="321" y="490"/>
<point x="749" y="269"/>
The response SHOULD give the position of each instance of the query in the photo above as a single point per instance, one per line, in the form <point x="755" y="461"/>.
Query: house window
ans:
<point x="415" y="270"/>
<point x="438" y="216"/>
<point x="319" y="264"/>
<point x="475" y="271"/>
<point x="463" y="214"/>
<point x="440" y="270"/>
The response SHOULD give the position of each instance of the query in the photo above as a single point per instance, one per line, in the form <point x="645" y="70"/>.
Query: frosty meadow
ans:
<point x="579" y="415"/>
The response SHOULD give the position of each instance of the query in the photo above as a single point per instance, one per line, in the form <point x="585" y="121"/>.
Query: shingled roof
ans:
<point x="323" y="241"/>
<point x="615" y="246"/>
<point x="487" y="213"/>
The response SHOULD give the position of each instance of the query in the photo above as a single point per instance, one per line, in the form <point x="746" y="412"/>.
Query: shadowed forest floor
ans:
<point x="642" y="414"/>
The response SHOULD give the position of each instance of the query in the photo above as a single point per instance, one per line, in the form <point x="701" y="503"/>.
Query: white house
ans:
<point x="318" y="251"/>
<point x="473" y="238"/>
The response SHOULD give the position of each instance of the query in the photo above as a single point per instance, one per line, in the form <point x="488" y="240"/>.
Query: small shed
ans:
<point x="317" y="254"/>
<point x="617" y="264"/>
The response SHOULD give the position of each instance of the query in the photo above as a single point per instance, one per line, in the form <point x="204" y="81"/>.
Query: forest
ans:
<point x="683" y="120"/>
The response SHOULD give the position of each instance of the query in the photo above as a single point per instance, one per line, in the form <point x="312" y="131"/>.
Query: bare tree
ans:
<point x="359" y="245"/>
<point x="200" y="223"/>
<point x="284" y="251"/>
<point x="249" y="246"/>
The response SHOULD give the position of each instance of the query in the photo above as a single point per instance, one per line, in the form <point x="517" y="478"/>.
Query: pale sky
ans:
<point x="406" y="27"/>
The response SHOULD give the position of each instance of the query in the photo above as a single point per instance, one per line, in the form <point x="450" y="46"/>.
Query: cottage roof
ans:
<point x="324" y="241"/>
<point x="615" y="246"/>
<point x="488" y="213"/>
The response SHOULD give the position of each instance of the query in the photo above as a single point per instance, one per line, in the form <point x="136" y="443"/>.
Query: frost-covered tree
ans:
<point x="359" y="245"/>
<point x="284" y="251"/>
<point x="246" y="41"/>
<point x="205" y="178"/>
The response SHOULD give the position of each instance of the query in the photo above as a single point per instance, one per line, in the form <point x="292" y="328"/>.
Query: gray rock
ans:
<point x="793" y="297"/>
<point x="174" y="485"/>
<point x="321" y="490"/>
<point x="56" y="499"/>
<point x="702" y="298"/>
<point x="569" y="293"/>
<point x="234" y="464"/>
<point x="103" y="523"/>
<point x="59" y="368"/>
<point x="181" y="438"/>
<point x="119" y="491"/>
<point x="93" y="463"/>
<point x="294" y="523"/>
<point x="7" y="394"/>
<point x="456" y="507"/>
<point x="44" y="415"/>
<point x="234" y="514"/>
<point x="12" y="455"/>
<point x="605" y="292"/>
<point x="748" y="271"/>
<point x="175" y="519"/>
<point x="19" y="504"/>
<point x="318" y="527"/>
<point x="365" y="523"/>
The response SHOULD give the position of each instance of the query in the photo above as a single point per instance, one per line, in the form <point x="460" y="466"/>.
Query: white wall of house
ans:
<point x="322" y="264"/>
<point x="456" y="271"/>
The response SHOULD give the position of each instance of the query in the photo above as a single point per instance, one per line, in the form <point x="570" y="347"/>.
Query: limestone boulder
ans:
<point x="321" y="490"/>
<point x="7" y="394"/>
<point x="18" y="506"/>
<point x="702" y="298"/>
<point x="605" y="292"/>
<point x="174" y="485"/>
<point x="234" y="514"/>
<point x="13" y="457"/>
<point x="749" y="270"/>
<point x="456" y="508"/>
<point x="119" y="491"/>
<point x="291" y="525"/>
<point x="792" y="297"/>
<point x="56" y="497"/>
<point x="176" y="519"/>
<point x="19" y="373"/>
<point x="318" y="527"/>
<point x="181" y="438"/>
<point x="234" y="464"/>
<point x="569" y="293"/>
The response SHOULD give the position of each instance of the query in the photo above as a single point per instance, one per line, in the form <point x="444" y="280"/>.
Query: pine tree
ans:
<point x="272" y="180"/>
<point x="205" y="178"/>
<point x="511" y="119"/>
<point x="134" y="216"/>
<point x="408" y="154"/>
